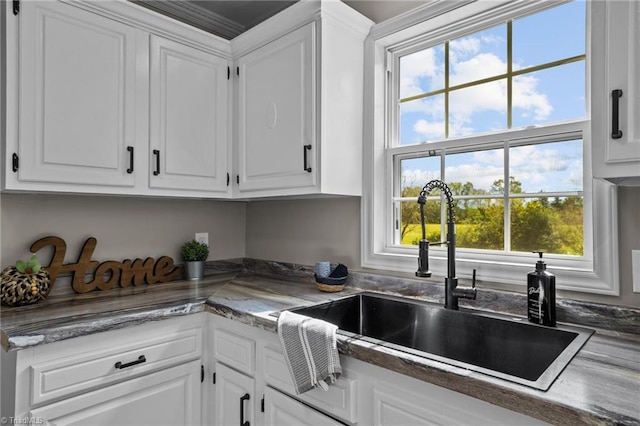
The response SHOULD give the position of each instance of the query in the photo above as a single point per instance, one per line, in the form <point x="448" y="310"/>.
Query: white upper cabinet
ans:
<point x="188" y="118"/>
<point x="276" y="135"/>
<point x="615" y="91"/>
<point x="77" y="97"/>
<point x="110" y="98"/>
<point x="300" y="96"/>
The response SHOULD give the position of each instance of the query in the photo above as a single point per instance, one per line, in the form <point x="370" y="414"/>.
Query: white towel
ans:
<point x="310" y="349"/>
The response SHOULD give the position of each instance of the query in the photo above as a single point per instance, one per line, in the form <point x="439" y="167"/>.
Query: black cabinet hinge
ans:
<point x="262" y="404"/>
<point x="202" y="374"/>
<point x="15" y="162"/>
<point x="238" y="179"/>
<point x="238" y="71"/>
<point x="16" y="7"/>
<point x="214" y="378"/>
<point x="228" y="179"/>
<point x="228" y="73"/>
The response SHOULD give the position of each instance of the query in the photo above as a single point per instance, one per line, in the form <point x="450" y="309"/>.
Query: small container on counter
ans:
<point x="541" y="294"/>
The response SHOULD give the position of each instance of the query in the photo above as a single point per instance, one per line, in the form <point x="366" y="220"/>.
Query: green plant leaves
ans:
<point x="31" y="266"/>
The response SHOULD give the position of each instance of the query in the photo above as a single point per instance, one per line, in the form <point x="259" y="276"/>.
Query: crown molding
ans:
<point x="197" y="16"/>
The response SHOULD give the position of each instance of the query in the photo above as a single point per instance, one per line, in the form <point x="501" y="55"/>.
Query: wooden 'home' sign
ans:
<point x="105" y="275"/>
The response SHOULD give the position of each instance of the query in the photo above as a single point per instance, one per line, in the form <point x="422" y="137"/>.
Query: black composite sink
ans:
<point x="511" y="349"/>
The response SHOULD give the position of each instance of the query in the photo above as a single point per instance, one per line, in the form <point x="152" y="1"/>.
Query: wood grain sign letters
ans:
<point x="105" y="275"/>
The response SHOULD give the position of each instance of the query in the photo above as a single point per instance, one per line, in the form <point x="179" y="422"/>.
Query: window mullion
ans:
<point x="505" y="200"/>
<point x="509" y="73"/>
<point x="446" y="90"/>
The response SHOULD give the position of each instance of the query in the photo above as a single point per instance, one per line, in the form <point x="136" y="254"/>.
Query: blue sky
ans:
<point x="546" y="96"/>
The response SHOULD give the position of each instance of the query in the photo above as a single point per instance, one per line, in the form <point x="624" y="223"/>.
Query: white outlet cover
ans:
<point x="635" y="270"/>
<point x="202" y="237"/>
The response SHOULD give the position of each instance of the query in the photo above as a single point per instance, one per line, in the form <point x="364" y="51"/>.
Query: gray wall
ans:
<point x="126" y="228"/>
<point x="629" y="239"/>
<point x="296" y="231"/>
<point x="305" y="231"/>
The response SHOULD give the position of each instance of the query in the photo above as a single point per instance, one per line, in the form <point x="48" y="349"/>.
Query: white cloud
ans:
<point x="423" y="67"/>
<point x="471" y="59"/>
<point x="482" y="176"/>
<point x="477" y="67"/>
<point x="418" y="177"/>
<point x="527" y="97"/>
<point x="429" y="129"/>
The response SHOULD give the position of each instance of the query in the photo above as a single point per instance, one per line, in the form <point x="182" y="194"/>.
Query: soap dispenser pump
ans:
<point x="541" y="294"/>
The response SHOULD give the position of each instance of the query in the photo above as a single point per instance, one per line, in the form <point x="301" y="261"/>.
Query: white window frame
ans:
<point x="595" y="272"/>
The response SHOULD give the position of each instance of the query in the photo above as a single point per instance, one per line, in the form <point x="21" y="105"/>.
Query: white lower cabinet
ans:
<point x="142" y="375"/>
<point x="234" y="397"/>
<point x="365" y="394"/>
<point x="282" y="410"/>
<point x="167" y="397"/>
<point x="398" y="402"/>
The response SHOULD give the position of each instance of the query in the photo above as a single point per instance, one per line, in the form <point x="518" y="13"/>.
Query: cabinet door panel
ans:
<point x="623" y="48"/>
<point x="231" y="386"/>
<point x="188" y="117"/>
<point x="281" y="410"/>
<point x="615" y="64"/>
<point x="168" y="397"/>
<point x="77" y="80"/>
<point x="277" y="113"/>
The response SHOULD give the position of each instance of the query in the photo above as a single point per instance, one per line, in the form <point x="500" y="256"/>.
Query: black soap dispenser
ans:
<point x="541" y="294"/>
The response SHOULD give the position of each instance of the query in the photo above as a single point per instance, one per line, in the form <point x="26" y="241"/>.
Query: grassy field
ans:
<point x="570" y="237"/>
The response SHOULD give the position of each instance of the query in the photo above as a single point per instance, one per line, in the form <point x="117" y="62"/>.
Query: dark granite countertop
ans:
<point x="601" y="385"/>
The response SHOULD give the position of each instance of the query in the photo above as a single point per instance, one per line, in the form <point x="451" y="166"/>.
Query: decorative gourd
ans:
<point x="25" y="283"/>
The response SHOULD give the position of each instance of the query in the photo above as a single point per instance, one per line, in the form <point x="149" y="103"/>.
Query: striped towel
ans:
<point x="310" y="349"/>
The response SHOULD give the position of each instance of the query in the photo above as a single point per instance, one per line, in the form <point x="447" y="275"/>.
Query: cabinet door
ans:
<point x="234" y="396"/>
<point x="77" y="96"/>
<point x="426" y="404"/>
<point x="188" y="118"/>
<point x="282" y="410"/>
<point x="616" y="93"/>
<point x="277" y="108"/>
<point x="168" y="397"/>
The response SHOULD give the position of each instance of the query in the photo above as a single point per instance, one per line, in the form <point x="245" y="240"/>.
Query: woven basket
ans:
<point x="18" y="289"/>
<point x="330" y="284"/>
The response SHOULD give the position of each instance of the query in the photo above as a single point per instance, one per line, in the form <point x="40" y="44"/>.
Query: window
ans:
<point x="490" y="98"/>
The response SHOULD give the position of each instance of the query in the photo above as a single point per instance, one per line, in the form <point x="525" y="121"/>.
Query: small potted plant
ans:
<point x="26" y="282"/>
<point x="193" y="255"/>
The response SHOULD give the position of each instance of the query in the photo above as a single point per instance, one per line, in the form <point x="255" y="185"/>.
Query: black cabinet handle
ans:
<point x="616" y="133"/>
<point x="156" y="172"/>
<point x="140" y="360"/>
<point x="130" y="169"/>
<point x="306" y="148"/>
<point x="243" y="398"/>
<point x="15" y="162"/>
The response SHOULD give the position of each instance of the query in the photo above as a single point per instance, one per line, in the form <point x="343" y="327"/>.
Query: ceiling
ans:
<point x="229" y="18"/>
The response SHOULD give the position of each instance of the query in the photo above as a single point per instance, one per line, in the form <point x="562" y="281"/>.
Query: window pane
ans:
<point x="549" y="95"/>
<point x="474" y="173"/>
<point x="422" y="120"/>
<point x="553" y="225"/>
<point x="550" y="167"/>
<point x="477" y="56"/>
<point x="416" y="172"/>
<point x="478" y="109"/>
<point x="549" y="35"/>
<point x="480" y="224"/>
<point x="422" y="72"/>
<point x="410" y="229"/>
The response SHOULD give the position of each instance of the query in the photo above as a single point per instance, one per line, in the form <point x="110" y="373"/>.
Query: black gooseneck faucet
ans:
<point x="452" y="291"/>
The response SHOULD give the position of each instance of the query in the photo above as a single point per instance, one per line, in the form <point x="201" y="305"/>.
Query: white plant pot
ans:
<point x="194" y="270"/>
